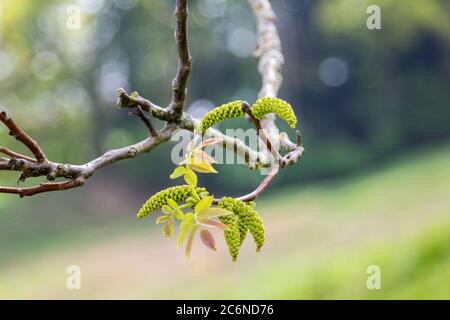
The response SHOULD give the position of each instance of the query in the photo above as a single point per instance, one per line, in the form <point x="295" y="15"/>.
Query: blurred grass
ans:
<point x="320" y="242"/>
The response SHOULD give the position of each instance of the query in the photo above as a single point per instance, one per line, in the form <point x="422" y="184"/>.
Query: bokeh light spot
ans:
<point x="46" y="65"/>
<point x="333" y="72"/>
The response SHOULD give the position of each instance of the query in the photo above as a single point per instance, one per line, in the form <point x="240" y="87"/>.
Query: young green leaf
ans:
<point x="211" y="213"/>
<point x="166" y="209"/>
<point x="185" y="226"/>
<point x="208" y="239"/>
<point x="190" y="177"/>
<point x="178" y="172"/>
<point x="191" y="200"/>
<point x="161" y="219"/>
<point x="199" y="166"/>
<point x="203" y="204"/>
<point x="190" y="241"/>
<point x="177" y="213"/>
<point x="201" y="156"/>
<point x="168" y="229"/>
<point x="172" y="203"/>
<point x="209" y="142"/>
<point x="206" y="222"/>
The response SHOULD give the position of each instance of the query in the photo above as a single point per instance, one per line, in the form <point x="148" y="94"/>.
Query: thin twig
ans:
<point x="15" y="155"/>
<point x="261" y="187"/>
<point x="21" y="136"/>
<point x="43" y="187"/>
<point x="138" y="112"/>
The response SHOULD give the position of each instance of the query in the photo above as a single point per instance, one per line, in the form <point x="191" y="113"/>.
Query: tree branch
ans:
<point x="184" y="59"/>
<point x="270" y="56"/>
<point x="76" y="174"/>
<point x="15" y="155"/>
<point x="138" y="112"/>
<point x="186" y="121"/>
<point x="44" y="187"/>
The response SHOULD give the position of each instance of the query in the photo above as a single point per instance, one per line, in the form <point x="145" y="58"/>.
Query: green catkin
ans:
<point x="232" y="236"/>
<point x="278" y="106"/>
<point x="226" y="111"/>
<point x="248" y="220"/>
<point x="256" y="227"/>
<point x="243" y="230"/>
<point x="159" y="199"/>
<point x="252" y="221"/>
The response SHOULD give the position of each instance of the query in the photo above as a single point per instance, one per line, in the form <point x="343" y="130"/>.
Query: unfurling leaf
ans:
<point x="203" y="204"/>
<point x="209" y="142"/>
<point x="201" y="156"/>
<point x="161" y="219"/>
<point x="212" y="223"/>
<point x="185" y="226"/>
<point x="166" y="209"/>
<point x="190" y="241"/>
<point x="190" y="177"/>
<point x="178" y="172"/>
<point x="191" y="200"/>
<point x="212" y="212"/>
<point x="168" y="229"/>
<point x="192" y="143"/>
<point x="172" y="203"/>
<point x="177" y="213"/>
<point x="208" y="239"/>
<point x="200" y="166"/>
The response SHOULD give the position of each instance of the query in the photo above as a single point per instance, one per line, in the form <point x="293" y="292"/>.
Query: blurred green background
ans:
<point x="372" y="189"/>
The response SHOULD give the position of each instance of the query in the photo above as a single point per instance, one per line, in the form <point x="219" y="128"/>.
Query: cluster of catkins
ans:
<point x="243" y="220"/>
<point x="261" y="107"/>
<point x="177" y="194"/>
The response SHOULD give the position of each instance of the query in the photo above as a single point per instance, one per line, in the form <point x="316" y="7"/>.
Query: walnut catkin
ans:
<point x="232" y="236"/>
<point x="278" y="106"/>
<point x="247" y="220"/>
<point x="226" y="111"/>
<point x="178" y="194"/>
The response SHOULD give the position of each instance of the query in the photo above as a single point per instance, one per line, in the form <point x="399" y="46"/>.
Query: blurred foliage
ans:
<point x="320" y="244"/>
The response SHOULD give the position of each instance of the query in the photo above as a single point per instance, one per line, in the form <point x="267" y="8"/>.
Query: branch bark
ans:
<point x="21" y="136"/>
<point x="179" y="83"/>
<point x="76" y="174"/>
